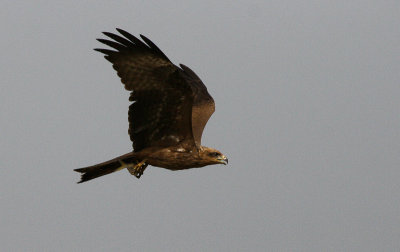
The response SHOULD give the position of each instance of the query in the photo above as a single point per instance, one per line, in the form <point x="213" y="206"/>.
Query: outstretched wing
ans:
<point x="163" y="99"/>
<point x="203" y="104"/>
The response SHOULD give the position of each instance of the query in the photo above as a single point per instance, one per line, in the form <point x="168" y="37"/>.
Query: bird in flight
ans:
<point x="170" y="109"/>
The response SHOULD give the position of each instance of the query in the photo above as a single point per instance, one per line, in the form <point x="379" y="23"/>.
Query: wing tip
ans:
<point x="120" y="30"/>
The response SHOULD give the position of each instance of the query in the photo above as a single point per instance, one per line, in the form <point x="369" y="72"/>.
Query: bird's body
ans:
<point x="176" y="158"/>
<point x="170" y="109"/>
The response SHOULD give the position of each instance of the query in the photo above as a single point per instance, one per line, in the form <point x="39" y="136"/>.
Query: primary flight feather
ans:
<point x="170" y="109"/>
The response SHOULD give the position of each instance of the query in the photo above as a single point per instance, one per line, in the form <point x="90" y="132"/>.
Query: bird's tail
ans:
<point x="125" y="161"/>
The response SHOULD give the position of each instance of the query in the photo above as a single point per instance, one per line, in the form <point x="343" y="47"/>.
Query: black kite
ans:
<point x="170" y="109"/>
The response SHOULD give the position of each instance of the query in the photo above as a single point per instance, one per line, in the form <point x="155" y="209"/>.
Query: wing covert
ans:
<point x="203" y="104"/>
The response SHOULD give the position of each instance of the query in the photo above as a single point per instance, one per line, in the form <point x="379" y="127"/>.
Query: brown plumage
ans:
<point x="170" y="109"/>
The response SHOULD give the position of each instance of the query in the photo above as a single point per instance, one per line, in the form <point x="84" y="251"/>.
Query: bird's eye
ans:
<point x="214" y="154"/>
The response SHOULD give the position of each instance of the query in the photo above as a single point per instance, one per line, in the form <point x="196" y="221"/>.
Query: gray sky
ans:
<point x="308" y="112"/>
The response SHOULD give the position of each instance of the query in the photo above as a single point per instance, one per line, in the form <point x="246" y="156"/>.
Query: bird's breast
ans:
<point x="174" y="158"/>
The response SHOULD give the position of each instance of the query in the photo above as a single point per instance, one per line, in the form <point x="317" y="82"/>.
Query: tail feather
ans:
<point x="96" y="171"/>
<point x="104" y="168"/>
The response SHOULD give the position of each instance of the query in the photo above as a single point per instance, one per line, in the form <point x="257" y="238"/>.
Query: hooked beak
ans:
<point x="223" y="160"/>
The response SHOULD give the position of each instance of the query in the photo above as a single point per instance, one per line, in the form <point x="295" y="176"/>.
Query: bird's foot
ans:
<point x="137" y="169"/>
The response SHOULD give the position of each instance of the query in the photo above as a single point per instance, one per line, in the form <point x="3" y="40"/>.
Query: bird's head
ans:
<point x="213" y="156"/>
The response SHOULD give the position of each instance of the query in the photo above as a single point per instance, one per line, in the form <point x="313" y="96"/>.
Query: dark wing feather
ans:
<point x="163" y="99"/>
<point x="203" y="104"/>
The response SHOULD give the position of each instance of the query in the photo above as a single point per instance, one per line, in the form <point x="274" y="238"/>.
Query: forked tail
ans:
<point x="125" y="161"/>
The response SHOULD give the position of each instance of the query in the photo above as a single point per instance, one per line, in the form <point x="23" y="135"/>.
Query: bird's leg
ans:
<point x="137" y="169"/>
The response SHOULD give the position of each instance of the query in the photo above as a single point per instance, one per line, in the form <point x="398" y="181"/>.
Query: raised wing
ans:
<point x="161" y="114"/>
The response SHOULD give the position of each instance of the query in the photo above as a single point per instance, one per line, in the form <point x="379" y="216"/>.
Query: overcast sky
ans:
<point x="307" y="110"/>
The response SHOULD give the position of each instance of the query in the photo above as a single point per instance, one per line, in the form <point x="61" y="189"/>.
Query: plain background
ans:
<point x="307" y="110"/>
